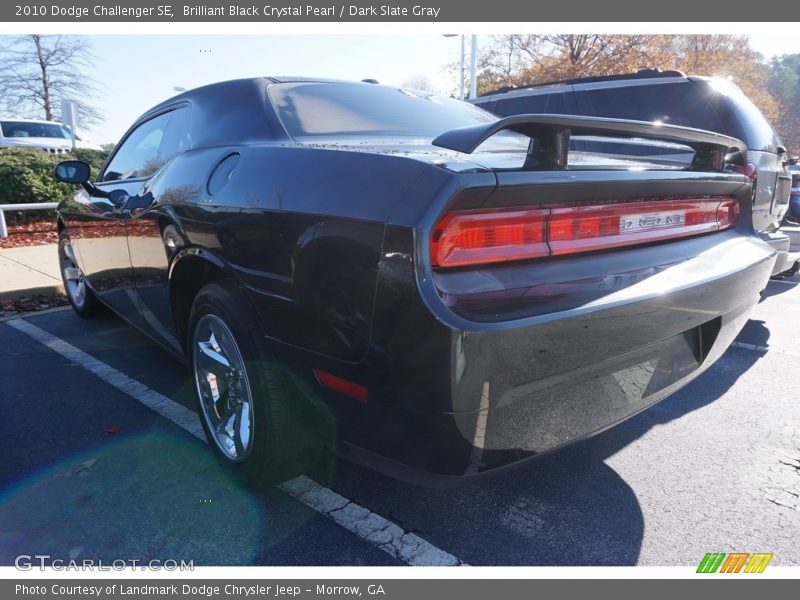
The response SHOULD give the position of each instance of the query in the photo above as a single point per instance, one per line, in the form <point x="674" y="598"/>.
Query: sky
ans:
<point x="138" y="71"/>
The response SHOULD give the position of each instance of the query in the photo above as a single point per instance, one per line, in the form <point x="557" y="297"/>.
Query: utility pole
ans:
<point x="473" y="66"/>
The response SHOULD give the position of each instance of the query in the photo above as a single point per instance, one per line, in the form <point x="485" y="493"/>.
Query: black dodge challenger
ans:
<point x="403" y="277"/>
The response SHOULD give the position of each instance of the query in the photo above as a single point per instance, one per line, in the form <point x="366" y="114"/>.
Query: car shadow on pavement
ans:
<point x="90" y="474"/>
<point x="777" y="287"/>
<point x="566" y="508"/>
<point x="756" y="333"/>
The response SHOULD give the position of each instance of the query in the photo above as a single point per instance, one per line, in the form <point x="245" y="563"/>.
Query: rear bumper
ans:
<point x="793" y="231"/>
<point x="457" y="398"/>
<point x="781" y="242"/>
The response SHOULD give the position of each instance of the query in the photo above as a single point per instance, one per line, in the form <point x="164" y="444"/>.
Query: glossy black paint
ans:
<point x="467" y="370"/>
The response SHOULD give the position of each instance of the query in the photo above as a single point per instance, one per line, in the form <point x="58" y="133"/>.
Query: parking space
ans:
<point x="90" y="470"/>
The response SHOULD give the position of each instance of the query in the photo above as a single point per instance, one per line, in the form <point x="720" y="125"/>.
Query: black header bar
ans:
<point x="444" y="11"/>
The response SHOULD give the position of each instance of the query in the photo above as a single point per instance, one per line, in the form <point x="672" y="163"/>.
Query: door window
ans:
<point x="150" y="146"/>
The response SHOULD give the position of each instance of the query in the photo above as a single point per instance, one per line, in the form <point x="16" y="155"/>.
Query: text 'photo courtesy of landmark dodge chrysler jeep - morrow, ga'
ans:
<point x="405" y="278"/>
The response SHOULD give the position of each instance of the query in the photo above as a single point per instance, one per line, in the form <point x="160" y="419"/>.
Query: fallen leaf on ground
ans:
<point x="85" y="467"/>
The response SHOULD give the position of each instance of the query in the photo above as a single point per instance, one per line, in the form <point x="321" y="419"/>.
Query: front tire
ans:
<point x="242" y="391"/>
<point x="83" y="300"/>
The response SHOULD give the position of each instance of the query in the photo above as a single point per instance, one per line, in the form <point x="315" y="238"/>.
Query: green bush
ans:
<point x="26" y="175"/>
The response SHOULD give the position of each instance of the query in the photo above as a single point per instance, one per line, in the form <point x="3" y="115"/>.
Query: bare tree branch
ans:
<point x="37" y="72"/>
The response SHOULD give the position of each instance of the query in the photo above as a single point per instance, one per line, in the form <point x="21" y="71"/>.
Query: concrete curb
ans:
<point x="34" y="313"/>
<point x="45" y="290"/>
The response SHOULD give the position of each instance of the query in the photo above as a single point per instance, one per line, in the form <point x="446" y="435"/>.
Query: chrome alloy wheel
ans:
<point x="223" y="387"/>
<point x="73" y="276"/>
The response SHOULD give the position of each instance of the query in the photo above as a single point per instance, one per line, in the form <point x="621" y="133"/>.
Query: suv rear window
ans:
<point x="757" y="132"/>
<point x="668" y="103"/>
<point x="714" y="105"/>
<point x="330" y="109"/>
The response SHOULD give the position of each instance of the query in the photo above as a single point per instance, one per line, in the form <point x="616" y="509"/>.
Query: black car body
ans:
<point x="333" y="212"/>
<point x="670" y="97"/>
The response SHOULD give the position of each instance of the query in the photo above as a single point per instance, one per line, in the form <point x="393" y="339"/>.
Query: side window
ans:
<point x="548" y="104"/>
<point x="150" y="146"/>
<point x="176" y="136"/>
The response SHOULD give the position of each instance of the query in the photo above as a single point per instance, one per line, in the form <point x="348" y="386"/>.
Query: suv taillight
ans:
<point x="477" y="237"/>
<point x="750" y="171"/>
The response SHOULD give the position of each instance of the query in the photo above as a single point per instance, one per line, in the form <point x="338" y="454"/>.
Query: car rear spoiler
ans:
<point x="550" y="135"/>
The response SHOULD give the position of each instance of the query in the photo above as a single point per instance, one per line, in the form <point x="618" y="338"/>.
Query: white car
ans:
<point x="50" y="136"/>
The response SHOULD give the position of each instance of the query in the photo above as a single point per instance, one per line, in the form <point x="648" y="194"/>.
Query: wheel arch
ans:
<point x="191" y="269"/>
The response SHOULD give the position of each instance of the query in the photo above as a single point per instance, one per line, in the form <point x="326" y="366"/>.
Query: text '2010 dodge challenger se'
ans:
<point x="428" y="289"/>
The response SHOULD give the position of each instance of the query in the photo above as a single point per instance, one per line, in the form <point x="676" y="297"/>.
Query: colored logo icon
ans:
<point x="734" y="562"/>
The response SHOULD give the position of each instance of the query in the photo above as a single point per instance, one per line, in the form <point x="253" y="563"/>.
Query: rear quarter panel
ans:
<point x="300" y="228"/>
<point x="773" y="187"/>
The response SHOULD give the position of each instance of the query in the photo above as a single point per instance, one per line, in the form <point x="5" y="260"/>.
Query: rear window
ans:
<point x="336" y="109"/>
<point x="668" y="103"/>
<point x="757" y="133"/>
<point x="714" y="105"/>
<point x="21" y="129"/>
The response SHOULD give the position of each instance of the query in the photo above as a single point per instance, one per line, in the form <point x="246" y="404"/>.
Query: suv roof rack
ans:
<point x="640" y="74"/>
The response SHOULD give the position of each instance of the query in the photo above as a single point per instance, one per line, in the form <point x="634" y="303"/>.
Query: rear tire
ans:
<point x="244" y="394"/>
<point x="82" y="299"/>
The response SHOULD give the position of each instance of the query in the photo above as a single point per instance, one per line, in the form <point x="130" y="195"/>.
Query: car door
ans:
<point x="103" y="244"/>
<point x="154" y="234"/>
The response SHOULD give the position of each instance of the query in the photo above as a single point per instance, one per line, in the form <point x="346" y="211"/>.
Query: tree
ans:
<point x="728" y="56"/>
<point x="784" y="85"/>
<point x="525" y="59"/>
<point x="418" y="82"/>
<point x="37" y="72"/>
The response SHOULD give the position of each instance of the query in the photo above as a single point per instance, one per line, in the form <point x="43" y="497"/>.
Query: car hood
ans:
<point x="38" y="142"/>
<point x="44" y="142"/>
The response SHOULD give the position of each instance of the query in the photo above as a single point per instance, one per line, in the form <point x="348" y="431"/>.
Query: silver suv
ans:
<point x="49" y="136"/>
<point x="673" y="98"/>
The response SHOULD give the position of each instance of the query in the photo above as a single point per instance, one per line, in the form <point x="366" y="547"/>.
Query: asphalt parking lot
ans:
<point x="89" y="471"/>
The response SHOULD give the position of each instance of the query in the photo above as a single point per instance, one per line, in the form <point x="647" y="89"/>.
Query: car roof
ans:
<point x="224" y="86"/>
<point x="249" y="95"/>
<point x="37" y="121"/>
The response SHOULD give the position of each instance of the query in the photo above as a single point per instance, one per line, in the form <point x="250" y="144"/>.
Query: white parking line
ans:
<point x="169" y="409"/>
<point x="784" y="282"/>
<point x="765" y="349"/>
<point x="367" y="525"/>
<point x="479" y="439"/>
<point x="746" y="346"/>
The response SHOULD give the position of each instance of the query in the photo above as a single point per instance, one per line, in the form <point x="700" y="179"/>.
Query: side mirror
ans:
<point x="73" y="171"/>
<point x="118" y="198"/>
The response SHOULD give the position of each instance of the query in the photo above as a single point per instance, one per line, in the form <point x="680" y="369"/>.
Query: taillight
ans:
<point x="482" y="237"/>
<point x="748" y="171"/>
<point x="467" y="238"/>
